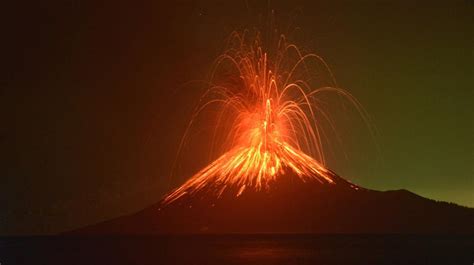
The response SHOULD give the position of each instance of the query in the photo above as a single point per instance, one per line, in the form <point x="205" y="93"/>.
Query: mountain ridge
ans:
<point x="291" y="206"/>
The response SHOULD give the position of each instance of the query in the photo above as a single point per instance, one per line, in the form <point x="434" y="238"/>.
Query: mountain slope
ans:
<point x="290" y="205"/>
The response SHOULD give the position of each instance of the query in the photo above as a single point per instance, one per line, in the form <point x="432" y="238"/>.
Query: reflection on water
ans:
<point x="266" y="251"/>
<point x="239" y="249"/>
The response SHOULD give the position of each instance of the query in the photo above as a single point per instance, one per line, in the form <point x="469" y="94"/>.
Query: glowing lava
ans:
<point x="274" y="113"/>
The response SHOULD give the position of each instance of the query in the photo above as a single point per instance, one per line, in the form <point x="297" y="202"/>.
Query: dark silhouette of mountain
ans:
<point x="290" y="205"/>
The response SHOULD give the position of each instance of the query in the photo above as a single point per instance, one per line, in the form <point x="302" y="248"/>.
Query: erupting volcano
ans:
<point x="256" y="163"/>
<point x="271" y="176"/>
<point x="275" y="114"/>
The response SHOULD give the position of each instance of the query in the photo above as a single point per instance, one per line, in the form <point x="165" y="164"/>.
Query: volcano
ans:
<point x="272" y="177"/>
<point x="291" y="205"/>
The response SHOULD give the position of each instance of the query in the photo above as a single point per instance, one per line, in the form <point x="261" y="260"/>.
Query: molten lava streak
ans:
<point x="274" y="113"/>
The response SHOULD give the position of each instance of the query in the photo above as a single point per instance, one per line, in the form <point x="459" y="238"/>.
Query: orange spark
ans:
<point x="275" y="115"/>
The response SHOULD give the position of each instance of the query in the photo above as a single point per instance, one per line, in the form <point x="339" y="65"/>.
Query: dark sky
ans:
<point x="93" y="101"/>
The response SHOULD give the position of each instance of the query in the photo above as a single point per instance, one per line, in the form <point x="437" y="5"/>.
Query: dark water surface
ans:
<point x="241" y="249"/>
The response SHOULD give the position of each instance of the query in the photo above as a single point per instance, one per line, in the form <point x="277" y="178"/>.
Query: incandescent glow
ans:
<point x="273" y="112"/>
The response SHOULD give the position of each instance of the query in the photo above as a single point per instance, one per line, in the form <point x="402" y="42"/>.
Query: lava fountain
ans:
<point x="274" y="111"/>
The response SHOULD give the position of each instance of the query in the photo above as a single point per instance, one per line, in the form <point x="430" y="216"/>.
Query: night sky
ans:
<point x="93" y="98"/>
